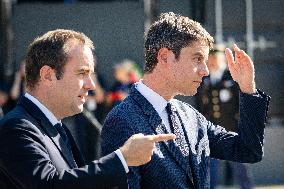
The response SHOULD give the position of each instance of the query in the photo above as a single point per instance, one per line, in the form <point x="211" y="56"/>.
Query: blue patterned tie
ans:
<point x="176" y="128"/>
<point x="182" y="141"/>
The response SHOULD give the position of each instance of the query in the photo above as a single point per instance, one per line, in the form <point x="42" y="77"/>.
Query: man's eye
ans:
<point x="198" y="59"/>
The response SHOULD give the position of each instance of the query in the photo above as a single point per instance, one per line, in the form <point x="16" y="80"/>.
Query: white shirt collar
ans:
<point x="50" y="116"/>
<point x="158" y="102"/>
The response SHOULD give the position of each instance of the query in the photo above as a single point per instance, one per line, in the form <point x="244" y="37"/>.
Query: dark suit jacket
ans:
<point x="168" y="167"/>
<point x="33" y="155"/>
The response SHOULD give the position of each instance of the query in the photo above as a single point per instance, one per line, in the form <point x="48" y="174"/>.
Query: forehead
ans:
<point x="81" y="55"/>
<point x="197" y="48"/>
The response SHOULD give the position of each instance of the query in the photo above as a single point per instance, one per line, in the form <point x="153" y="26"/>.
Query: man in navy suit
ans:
<point x="36" y="150"/>
<point x="176" y="55"/>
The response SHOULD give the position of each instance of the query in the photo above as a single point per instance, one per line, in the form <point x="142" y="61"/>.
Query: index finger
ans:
<point x="229" y="56"/>
<point x="162" y="137"/>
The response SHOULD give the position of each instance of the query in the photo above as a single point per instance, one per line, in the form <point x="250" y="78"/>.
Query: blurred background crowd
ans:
<point x="117" y="28"/>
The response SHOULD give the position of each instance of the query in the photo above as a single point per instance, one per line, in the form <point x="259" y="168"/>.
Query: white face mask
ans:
<point x="91" y="104"/>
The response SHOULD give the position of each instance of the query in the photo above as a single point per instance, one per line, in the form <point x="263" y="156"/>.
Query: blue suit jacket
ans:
<point x="33" y="155"/>
<point x="168" y="167"/>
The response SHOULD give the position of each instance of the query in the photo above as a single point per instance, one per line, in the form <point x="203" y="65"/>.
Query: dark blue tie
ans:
<point x="62" y="133"/>
<point x="61" y="130"/>
<point x="59" y="127"/>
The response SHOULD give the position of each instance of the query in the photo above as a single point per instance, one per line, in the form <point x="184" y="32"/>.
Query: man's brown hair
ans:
<point x="174" y="32"/>
<point x="50" y="49"/>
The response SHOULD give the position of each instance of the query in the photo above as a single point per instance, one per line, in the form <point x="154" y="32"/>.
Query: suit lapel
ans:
<point x="159" y="128"/>
<point x="49" y="129"/>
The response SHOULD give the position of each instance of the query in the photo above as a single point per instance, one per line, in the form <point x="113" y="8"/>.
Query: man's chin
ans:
<point x="80" y="108"/>
<point x="76" y="110"/>
<point x="188" y="93"/>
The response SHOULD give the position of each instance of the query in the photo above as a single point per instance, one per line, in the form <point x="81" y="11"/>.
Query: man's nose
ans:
<point x="89" y="83"/>
<point x="204" y="71"/>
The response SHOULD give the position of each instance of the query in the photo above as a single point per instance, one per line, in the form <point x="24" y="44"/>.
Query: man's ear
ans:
<point x="47" y="74"/>
<point x="165" y="55"/>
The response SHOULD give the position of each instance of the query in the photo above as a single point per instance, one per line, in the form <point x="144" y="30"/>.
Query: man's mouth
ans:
<point x="197" y="81"/>
<point x="83" y="97"/>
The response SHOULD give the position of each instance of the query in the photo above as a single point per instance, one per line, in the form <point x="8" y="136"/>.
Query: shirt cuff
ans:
<point x="119" y="154"/>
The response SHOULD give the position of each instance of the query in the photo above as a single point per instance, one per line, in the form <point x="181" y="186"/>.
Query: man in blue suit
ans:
<point x="36" y="150"/>
<point x="176" y="54"/>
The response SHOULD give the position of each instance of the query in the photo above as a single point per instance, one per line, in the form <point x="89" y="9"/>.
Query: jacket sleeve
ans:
<point x="246" y="145"/>
<point x="116" y="130"/>
<point x="25" y="163"/>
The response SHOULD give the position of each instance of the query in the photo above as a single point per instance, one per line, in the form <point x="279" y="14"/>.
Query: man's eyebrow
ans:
<point x="198" y="54"/>
<point x="85" y="69"/>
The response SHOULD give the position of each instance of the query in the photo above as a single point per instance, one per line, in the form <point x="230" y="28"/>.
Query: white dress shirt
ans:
<point x="158" y="102"/>
<point x="53" y="120"/>
<point x="50" y="116"/>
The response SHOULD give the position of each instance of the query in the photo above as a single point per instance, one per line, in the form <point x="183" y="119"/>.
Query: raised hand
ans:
<point x="242" y="69"/>
<point x="138" y="149"/>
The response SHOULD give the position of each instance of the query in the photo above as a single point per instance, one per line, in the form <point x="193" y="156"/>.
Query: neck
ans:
<point x="43" y="97"/>
<point x="160" y="85"/>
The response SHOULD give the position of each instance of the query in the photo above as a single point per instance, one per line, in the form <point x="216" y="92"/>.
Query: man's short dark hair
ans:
<point x="50" y="49"/>
<point x="174" y="32"/>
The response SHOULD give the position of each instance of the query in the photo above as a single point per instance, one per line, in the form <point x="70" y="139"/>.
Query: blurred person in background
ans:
<point x="18" y="87"/>
<point x="96" y="100"/>
<point x="4" y="97"/>
<point x="176" y="55"/>
<point x="125" y="73"/>
<point x="218" y="100"/>
<point x="9" y="98"/>
<point x="36" y="149"/>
